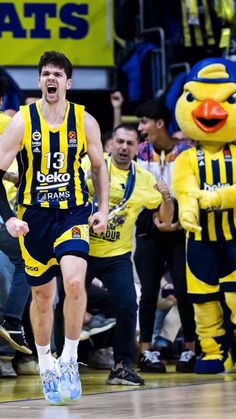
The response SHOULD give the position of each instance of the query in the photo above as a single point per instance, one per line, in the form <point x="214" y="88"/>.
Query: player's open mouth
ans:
<point x="51" y="89"/>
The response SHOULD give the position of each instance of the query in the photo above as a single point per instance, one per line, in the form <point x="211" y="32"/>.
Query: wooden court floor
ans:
<point x="164" y="396"/>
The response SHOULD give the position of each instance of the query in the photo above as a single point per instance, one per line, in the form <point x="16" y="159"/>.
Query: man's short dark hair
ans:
<point x="129" y="127"/>
<point x="154" y="109"/>
<point x="58" y="59"/>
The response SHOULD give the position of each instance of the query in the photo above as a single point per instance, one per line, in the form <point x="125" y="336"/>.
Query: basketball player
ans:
<point x="49" y="138"/>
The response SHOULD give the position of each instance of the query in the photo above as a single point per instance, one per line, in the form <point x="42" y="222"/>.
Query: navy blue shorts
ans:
<point x="53" y="234"/>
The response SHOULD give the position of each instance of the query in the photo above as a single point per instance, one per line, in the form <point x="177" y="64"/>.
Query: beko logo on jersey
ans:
<point x="53" y="177"/>
<point x="57" y="179"/>
<point x="211" y="188"/>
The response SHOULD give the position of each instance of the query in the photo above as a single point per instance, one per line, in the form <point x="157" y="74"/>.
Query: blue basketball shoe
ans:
<point x="69" y="381"/>
<point x="50" y="382"/>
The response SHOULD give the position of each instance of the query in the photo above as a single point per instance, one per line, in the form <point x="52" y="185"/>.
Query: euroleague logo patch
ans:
<point x="72" y="139"/>
<point x="71" y="134"/>
<point x="76" y="233"/>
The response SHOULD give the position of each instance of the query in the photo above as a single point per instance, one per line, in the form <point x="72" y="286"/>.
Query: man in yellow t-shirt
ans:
<point x="130" y="189"/>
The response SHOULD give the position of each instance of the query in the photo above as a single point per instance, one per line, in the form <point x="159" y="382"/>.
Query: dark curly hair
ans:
<point x="58" y="59"/>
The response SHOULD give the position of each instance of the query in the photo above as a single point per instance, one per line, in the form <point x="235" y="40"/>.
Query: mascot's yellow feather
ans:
<point x="204" y="183"/>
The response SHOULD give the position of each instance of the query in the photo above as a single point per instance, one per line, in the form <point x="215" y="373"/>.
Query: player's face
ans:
<point x="124" y="147"/>
<point x="53" y="83"/>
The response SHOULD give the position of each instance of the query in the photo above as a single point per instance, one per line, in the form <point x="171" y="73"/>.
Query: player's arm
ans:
<point x="99" y="173"/>
<point x="10" y="144"/>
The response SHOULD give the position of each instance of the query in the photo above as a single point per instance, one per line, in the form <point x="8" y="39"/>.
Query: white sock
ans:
<point x="46" y="361"/>
<point x="70" y="350"/>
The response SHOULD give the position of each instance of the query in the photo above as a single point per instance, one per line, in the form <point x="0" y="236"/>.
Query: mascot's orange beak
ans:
<point x="209" y="116"/>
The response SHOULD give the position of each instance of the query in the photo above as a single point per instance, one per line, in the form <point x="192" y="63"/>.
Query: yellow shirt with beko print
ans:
<point x="119" y="235"/>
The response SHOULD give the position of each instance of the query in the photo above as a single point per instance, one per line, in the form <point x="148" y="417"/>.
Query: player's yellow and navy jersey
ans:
<point x="118" y="238"/>
<point x="50" y="173"/>
<point x="212" y="171"/>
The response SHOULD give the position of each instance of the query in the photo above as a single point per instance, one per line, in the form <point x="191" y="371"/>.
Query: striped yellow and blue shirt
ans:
<point x="49" y="161"/>
<point x="209" y="171"/>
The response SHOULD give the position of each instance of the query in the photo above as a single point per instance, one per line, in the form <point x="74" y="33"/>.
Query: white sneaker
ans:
<point x="27" y="366"/>
<point x="69" y="380"/>
<point x="50" y="383"/>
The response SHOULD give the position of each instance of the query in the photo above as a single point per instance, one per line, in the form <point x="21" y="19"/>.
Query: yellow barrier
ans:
<point x="82" y="30"/>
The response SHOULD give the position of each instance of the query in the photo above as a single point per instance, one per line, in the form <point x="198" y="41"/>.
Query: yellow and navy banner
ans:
<point x="83" y="30"/>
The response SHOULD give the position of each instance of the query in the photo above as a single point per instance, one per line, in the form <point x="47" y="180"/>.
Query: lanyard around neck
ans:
<point x="128" y="190"/>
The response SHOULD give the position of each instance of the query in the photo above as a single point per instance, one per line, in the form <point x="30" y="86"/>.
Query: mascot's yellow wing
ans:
<point x="227" y="196"/>
<point x="183" y="182"/>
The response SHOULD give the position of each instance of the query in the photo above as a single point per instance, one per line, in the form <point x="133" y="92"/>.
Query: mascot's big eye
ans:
<point x="189" y="97"/>
<point x="232" y="99"/>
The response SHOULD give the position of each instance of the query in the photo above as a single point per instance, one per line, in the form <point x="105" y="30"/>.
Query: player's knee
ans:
<point x="74" y="287"/>
<point x="42" y="299"/>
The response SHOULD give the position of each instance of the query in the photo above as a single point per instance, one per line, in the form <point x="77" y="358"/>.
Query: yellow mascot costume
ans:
<point x="204" y="183"/>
